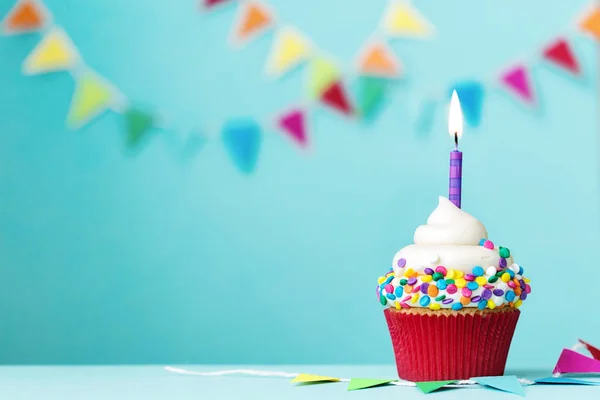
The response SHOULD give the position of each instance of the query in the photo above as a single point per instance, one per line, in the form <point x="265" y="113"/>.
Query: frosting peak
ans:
<point x="448" y="225"/>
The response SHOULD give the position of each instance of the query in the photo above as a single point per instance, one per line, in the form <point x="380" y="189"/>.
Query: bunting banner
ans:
<point x="26" y="16"/>
<point x="376" y="67"/>
<point x="254" y="19"/>
<point x="55" y="52"/>
<point x="509" y="384"/>
<point x="364" y="383"/>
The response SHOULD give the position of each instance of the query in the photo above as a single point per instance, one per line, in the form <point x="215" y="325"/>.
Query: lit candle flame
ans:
<point x="455" y="117"/>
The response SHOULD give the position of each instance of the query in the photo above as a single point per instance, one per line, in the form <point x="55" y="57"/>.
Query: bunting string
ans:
<point x="374" y="68"/>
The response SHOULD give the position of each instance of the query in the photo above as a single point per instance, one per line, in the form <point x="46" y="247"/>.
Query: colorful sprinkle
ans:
<point x="441" y="269"/>
<point x="465" y="300"/>
<point x="515" y="268"/>
<point x="502" y="263"/>
<point x="400" y="263"/>
<point x="411" y="273"/>
<point x="408" y="288"/>
<point x="427" y="278"/>
<point x="428" y="271"/>
<point x="448" y="301"/>
<point x="469" y="277"/>
<point x="482" y="304"/>
<point x="399" y="291"/>
<point x="435" y="306"/>
<point x="492" y="279"/>
<point x="451" y="289"/>
<point x="437" y="276"/>
<point x="397" y="306"/>
<point x="380" y="280"/>
<point x="433" y="291"/>
<point x="466" y="292"/>
<point x="523" y="295"/>
<point x="389" y="288"/>
<point x="512" y="284"/>
<point x="403" y="282"/>
<point x="472" y="285"/>
<point x="481" y="280"/>
<point x="440" y="297"/>
<point x="450" y="274"/>
<point x="407" y="298"/>
<point x="510" y="295"/>
<point x="491" y="304"/>
<point x="488" y="244"/>
<point x="476" y="299"/>
<point x="425" y="300"/>
<point x="504" y="252"/>
<point x="488" y="286"/>
<point x="390" y="296"/>
<point x="457" y="306"/>
<point x="441" y="284"/>
<point x="424" y="287"/>
<point x="505" y="277"/>
<point x="461" y="283"/>
<point x="415" y="298"/>
<point x="459" y="274"/>
<point x="404" y="305"/>
<point x="449" y="281"/>
<point x="412" y="281"/>
<point x="498" y="292"/>
<point x="383" y="300"/>
<point x="518" y="303"/>
<point x="417" y="289"/>
<point x="486" y="294"/>
<point x="482" y="242"/>
<point x="527" y="288"/>
<point x="491" y="270"/>
<point x="478" y="271"/>
<point x="510" y="273"/>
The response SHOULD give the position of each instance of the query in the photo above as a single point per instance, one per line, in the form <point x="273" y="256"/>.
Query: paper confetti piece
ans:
<point x="255" y="18"/>
<point x="402" y="19"/>
<point x="508" y="383"/>
<point x="371" y="93"/>
<point x="138" y="123"/>
<point x="242" y="139"/>
<point x="559" y="380"/>
<point x="516" y="79"/>
<point x="289" y="49"/>
<point x="593" y="350"/>
<point x="293" y="124"/>
<point x="378" y="60"/>
<point x="55" y="52"/>
<point x="306" y="378"/>
<point x="591" y="23"/>
<point x="560" y="53"/>
<point x="25" y="16"/>
<point x="571" y="361"/>
<point x="362" y="383"/>
<point x="471" y="95"/>
<point x="428" y="387"/>
<point x="92" y="96"/>
<point x="335" y="97"/>
<point x="322" y="72"/>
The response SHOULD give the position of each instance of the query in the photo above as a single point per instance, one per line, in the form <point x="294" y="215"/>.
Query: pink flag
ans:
<point x="517" y="80"/>
<point x="293" y="123"/>
<point x="571" y="361"/>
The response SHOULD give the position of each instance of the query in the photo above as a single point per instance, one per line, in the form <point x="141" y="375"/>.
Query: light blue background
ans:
<point x="109" y="257"/>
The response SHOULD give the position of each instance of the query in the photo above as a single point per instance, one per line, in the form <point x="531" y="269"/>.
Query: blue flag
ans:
<point x="242" y="139"/>
<point x="470" y="94"/>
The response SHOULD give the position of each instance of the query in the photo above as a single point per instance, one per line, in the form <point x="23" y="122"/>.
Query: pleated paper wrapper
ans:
<point x="446" y="345"/>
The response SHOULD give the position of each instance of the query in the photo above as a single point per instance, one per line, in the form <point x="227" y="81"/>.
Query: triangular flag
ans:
<point x="470" y="94"/>
<point x="560" y="53"/>
<point x="213" y="3"/>
<point x="362" y="383"/>
<point x="293" y="123"/>
<point x="564" y="381"/>
<point x="378" y="60"/>
<point x="55" y="52"/>
<point x="593" y="350"/>
<point x="508" y="384"/>
<point x="137" y="123"/>
<point x="571" y="361"/>
<point x="517" y="80"/>
<point x="289" y="49"/>
<point x="25" y="16"/>
<point x="371" y="93"/>
<point x="591" y="23"/>
<point x="306" y="378"/>
<point x="254" y="19"/>
<point x="401" y="19"/>
<point x="242" y="139"/>
<point x="322" y="72"/>
<point x="428" y="387"/>
<point x="92" y="96"/>
<point x="335" y="97"/>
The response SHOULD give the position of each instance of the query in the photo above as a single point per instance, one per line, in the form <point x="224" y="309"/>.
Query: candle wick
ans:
<point x="456" y="140"/>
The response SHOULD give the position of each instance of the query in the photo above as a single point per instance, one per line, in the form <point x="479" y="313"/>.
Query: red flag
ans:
<point x="560" y="53"/>
<point x="335" y="96"/>
<point x="593" y="350"/>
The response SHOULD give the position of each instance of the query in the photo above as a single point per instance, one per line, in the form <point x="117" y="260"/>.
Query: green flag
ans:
<point x="432" y="386"/>
<point x="137" y="122"/>
<point x="363" y="383"/>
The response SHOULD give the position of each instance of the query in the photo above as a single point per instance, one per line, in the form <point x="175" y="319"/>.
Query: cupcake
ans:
<point x="452" y="300"/>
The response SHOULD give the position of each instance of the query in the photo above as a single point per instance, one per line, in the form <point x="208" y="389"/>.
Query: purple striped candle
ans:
<point x="454" y="190"/>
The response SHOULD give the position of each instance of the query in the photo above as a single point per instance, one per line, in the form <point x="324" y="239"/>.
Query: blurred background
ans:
<point x="183" y="225"/>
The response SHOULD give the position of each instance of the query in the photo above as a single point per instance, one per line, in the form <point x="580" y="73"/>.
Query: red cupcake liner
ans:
<point x="446" y="345"/>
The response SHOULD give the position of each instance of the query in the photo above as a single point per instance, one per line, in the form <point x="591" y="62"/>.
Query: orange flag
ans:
<point x="25" y="16"/>
<point x="378" y="60"/>
<point x="591" y="23"/>
<point x="254" y="19"/>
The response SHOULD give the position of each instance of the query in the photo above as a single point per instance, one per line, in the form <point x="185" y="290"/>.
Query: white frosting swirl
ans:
<point x="450" y="238"/>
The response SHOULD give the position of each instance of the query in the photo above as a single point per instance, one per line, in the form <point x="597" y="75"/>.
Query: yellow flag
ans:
<point x="55" y="52"/>
<point x="289" y="49"/>
<point x="92" y="96"/>
<point x="401" y="19"/>
<point x="305" y="378"/>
